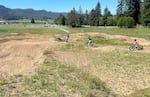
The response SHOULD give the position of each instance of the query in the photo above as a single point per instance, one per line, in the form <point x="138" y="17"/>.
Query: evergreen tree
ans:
<point x="107" y="12"/>
<point x="133" y="9"/>
<point x="121" y="8"/>
<point x="80" y="16"/>
<point x="86" y="18"/>
<point x="97" y="14"/>
<point x="60" y="20"/>
<point x="146" y="13"/>
<point x="32" y="21"/>
<point x="92" y="18"/>
<point x="72" y="18"/>
<point x="106" y="15"/>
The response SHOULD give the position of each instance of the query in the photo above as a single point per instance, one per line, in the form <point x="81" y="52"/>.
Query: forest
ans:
<point x="129" y="13"/>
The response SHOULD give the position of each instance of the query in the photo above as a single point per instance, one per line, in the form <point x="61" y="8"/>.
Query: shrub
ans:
<point x="111" y="21"/>
<point x="126" y="22"/>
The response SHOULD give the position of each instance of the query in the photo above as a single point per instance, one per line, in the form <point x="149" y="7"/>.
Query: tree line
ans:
<point x="129" y="13"/>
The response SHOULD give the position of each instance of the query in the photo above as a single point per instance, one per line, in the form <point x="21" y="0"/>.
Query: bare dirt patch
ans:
<point x="21" y="54"/>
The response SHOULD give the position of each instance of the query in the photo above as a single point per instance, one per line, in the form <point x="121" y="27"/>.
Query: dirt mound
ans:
<point x="23" y="53"/>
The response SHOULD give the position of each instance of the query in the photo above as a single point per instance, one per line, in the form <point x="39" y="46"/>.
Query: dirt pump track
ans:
<point x="22" y="54"/>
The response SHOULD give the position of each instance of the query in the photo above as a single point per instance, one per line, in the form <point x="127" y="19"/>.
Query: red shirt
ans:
<point x="136" y="43"/>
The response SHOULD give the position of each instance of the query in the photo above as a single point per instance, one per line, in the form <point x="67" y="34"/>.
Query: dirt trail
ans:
<point x="124" y="39"/>
<point x="117" y="37"/>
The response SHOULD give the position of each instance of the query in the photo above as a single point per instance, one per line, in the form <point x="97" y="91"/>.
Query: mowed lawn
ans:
<point x="75" y="70"/>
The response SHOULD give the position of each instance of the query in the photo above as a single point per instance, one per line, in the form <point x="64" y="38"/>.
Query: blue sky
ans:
<point x="60" y="5"/>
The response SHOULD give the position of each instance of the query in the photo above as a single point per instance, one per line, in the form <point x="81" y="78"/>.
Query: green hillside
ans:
<point x="14" y="14"/>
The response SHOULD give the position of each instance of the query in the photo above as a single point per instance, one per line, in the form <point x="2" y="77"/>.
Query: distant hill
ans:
<point x="15" y="14"/>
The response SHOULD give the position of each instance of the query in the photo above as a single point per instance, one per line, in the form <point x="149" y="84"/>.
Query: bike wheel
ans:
<point x="131" y="48"/>
<point x="140" y="47"/>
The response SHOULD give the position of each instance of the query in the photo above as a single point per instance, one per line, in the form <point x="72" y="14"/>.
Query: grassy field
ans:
<point x="140" y="32"/>
<point x="32" y="29"/>
<point x="28" y="21"/>
<point x="108" y="69"/>
<point x="134" y="32"/>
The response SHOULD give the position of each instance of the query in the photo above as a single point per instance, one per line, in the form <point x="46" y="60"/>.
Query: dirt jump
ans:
<point x="21" y="54"/>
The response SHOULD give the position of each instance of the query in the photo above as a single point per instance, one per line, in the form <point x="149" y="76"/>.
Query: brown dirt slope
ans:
<point x="23" y="53"/>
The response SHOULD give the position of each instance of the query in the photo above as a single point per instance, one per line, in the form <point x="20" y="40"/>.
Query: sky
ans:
<point x="60" y="5"/>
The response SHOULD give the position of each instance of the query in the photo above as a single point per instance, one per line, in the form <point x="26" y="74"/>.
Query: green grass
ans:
<point x="122" y="58"/>
<point x="6" y="31"/>
<point x="1" y="93"/>
<point x="31" y="30"/>
<point x="28" y="21"/>
<point x="140" y="32"/>
<point x="3" y="30"/>
<point x="98" y="40"/>
<point x="134" y="32"/>
<point x="73" y="47"/>
<point x="142" y="93"/>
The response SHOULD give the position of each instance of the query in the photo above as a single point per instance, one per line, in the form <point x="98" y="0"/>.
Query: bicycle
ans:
<point x="133" y="47"/>
<point x="89" y="43"/>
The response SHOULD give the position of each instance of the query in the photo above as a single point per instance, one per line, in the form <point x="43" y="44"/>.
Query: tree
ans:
<point x="107" y="12"/>
<point x="97" y="13"/>
<point x="133" y="9"/>
<point x="106" y="15"/>
<point x="86" y="18"/>
<point x="121" y="8"/>
<point x="94" y="17"/>
<point x="60" y="20"/>
<point x="111" y="21"/>
<point x="126" y="22"/>
<point x="146" y="13"/>
<point x="80" y="16"/>
<point x="32" y="20"/>
<point x="72" y="18"/>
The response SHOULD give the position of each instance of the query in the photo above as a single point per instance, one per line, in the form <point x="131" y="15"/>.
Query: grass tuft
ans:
<point x="142" y="93"/>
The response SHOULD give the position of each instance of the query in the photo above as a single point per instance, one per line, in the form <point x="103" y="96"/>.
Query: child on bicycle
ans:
<point x="136" y="44"/>
<point x="89" y="41"/>
<point x="67" y="37"/>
